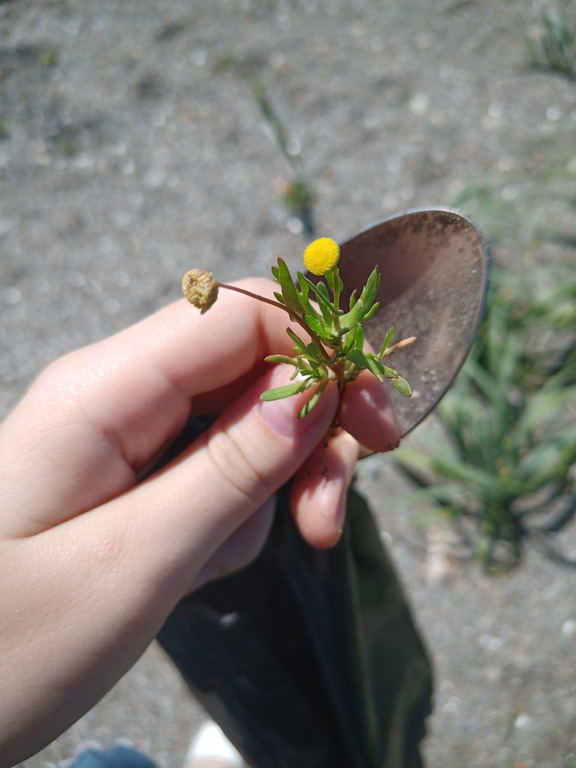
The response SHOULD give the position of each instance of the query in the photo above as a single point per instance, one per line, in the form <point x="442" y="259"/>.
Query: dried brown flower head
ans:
<point x="200" y="289"/>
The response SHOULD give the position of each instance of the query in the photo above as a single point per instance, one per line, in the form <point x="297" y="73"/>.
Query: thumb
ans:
<point x="198" y="501"/>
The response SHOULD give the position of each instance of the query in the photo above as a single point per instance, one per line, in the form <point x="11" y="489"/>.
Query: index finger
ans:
<point x="96" y="417"/>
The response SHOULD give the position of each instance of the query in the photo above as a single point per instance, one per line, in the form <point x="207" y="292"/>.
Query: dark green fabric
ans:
<point x="309" y="658"/>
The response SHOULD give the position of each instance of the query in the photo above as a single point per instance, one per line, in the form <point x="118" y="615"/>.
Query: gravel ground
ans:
<point x="132" y="149"/>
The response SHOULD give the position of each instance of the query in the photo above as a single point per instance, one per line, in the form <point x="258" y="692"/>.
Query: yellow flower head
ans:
<point x="321" y="256"/>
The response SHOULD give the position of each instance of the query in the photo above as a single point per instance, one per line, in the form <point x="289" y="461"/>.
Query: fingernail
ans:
<point x="282" y="415"/>
<point x="333" y="502"/>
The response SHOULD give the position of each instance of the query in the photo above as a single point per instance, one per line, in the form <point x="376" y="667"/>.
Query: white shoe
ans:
<point x="210" y="748"/>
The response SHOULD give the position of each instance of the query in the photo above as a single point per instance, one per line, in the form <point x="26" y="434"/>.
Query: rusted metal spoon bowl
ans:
<point x="434" y="267"/>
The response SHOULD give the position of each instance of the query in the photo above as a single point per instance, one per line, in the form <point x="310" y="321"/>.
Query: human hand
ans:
<point x="92" y="560"/>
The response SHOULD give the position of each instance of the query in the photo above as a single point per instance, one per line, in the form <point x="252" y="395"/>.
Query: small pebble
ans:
<point x="569" y="628"/>
<point x="523" y="722"/>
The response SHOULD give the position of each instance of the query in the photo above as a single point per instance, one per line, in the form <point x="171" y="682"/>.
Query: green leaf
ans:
<point x="300" y="345"/>
<point x="358" y="358"/>
<point x="334" y="281"/>
<point x="371" y="288"/>
<point x="481" y="480"/>
<point x="402" y="386"/>
<point x="371" y="312"/>
<point x="364" y="304"/>
<point x="289" y="292"/>
<point x="307" y="407"/>
<point x="448" y="497"/>
<point x="548" y="461"/>
<point x="359" y="340"/>
<point x="323" y="291"/>
<point x="390" y="373"/>
<point x="278" y="393"/>
<point x="545" y="409"/>
<point x="375" y="367"/>
<point x="270" y="116"/>
<point x="303" y="297"/>
<point x="318" y="326"/>
<point x="313" y="351"/>
<point x="387" y="342"/>
<point x="322" y="295"/>
<point x="349" y="340"/>
<point x="282" y="359"/>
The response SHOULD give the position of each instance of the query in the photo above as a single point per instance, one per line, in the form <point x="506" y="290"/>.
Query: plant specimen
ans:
<point x="333" y="349"/>
<point x="296" y="193"/>
<point x="504" y="471"/>
<point x="556" y="49"/>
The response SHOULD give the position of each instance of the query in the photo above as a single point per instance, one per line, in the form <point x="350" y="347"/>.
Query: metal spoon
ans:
<point x="434" y="267"/>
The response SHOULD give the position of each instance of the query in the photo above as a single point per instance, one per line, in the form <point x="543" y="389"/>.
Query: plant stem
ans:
<point x="292" y="316"/>
<point x="399" y="345"/>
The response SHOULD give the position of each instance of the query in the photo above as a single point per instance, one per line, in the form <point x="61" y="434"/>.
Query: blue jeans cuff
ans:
<point x="115" y="757"/>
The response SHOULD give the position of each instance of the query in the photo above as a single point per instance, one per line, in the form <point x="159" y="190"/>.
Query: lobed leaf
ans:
<point x="322" y="295"/>
<point x="318" y="326"/>
<point x="364" y="304"/>
<point x="303" y="295"/>
<point x="289" y="293"/>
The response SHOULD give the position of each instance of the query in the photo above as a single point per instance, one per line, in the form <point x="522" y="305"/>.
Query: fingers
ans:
<point x="99" y="415"/>
<point x="318" y="493"/>
<point x="366" y="413"/>
<point x="191" y="507"/>
<point x="368" y="424"/>
<point x="241" y="548"/>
